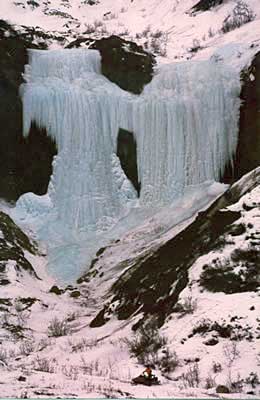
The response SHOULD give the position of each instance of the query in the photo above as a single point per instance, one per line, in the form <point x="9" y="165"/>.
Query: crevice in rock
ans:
<point x="126" y="151"/>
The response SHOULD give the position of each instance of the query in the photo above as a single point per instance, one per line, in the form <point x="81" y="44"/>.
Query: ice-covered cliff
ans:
<point x="185" y="124"/>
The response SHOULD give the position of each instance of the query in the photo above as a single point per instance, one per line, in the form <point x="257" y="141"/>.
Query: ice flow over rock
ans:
<point x="185" y="125"/>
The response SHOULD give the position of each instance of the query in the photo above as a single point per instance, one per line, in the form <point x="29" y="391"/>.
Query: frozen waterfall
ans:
<point x="184" y="122"/>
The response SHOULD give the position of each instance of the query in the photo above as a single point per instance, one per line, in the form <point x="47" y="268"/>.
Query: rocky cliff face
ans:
<point x="247" y="156"/>
<point x="248" y="151"/>
<point x="154" y="280"/>
<point x="25" y="165"/>
<point x="14" y="244"/>
<point x="123" y="62"/>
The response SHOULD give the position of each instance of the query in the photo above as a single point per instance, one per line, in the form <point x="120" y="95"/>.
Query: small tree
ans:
<point x="231" y="353"/>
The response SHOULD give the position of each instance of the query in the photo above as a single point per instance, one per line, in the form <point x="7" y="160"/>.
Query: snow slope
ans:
<point x="167" y="27"/>
<point x="96" y="362"/>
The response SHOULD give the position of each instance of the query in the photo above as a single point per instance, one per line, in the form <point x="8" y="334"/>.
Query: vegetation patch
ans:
<point x="149" y="347"/>
<point x="227" y="330"/>
<point x="241" y="14"/>
<point x="238" y="274"/>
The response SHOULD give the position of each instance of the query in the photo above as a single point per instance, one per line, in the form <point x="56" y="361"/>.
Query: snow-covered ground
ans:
<point x="95" y="362"/>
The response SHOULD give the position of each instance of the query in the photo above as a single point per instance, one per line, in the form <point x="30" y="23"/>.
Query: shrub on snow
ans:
<point x="241" y="14"/>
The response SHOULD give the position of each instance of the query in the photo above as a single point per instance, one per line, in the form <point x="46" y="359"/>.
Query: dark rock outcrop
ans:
<point x="126" y="151"/>
<point x="25" y="164"/>
<point x="248" y="150"/>
<point x="153" y="282"/>
<point x="13" y="244"/>
<point x="123" y="62"/>
<point x="222" y="389"/>
<point x="205" y="5"/>
<point x="247" y="156"/>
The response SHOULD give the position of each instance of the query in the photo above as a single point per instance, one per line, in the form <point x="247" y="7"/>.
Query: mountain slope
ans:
<point x="188" y="272"/>
<point x="170" y="29"/>
<point x="204" y="329"/>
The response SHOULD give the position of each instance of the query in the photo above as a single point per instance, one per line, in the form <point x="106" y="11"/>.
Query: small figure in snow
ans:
<point x="146" y="378"/>
<point x="148" y="372"/>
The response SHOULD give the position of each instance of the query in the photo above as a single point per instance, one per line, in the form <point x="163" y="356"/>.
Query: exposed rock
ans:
<point x="13" y="245"/>
<point x="224" y="276"/>
<point x="123" y="62"/>
<point x="21" y="378"/>
<point x="205" y="5"/>
<point x="211" y="342"/>
<point x="75" y="294"/>
<point x="248" y="150"/>
<point x="25" y="165"/>
<point x="56" y="290"/>
<point x="222" y="389"/>
<point x="153" y="282"/>
<point x="100" y="319"/>
<point x="126" y="151"/>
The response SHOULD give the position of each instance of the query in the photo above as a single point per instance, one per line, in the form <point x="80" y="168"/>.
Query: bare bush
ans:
<point x="43" y="343"/>
<point x="210" y="382"/>
<point x="252" y="380"/>
<point x="211" y="33"/>
<point x="26" y="347"/>
<point x="124" y="32"/>
<point x="44" y="365"/>
<point x="18" y="306"/>
<point x="146" y="343"/>
<point x="236" y="385"/>
<point x="58" y="328"/>
<point x="191" y="378"/>
<point x="186" y="306"/>
<point x="169" y="361"/>
<point x="83" y="344"/>
<point x="93" y="368"/>
<point x="149" y="347"/>
<point x="3" y="356"/>
<point x="156" y="42"/>
<point x="231" y="352"/>
<point x="241" y="14"/>
<point x="216" y="367"/>
<point x="5" y="318"/>
<point x="72" y="316"/>
<point x="98" y="24"/>
<point x="89" y="29"/>
<point x="146" y="31"/>
<point x="158" y="47"/>
<point x="71" y="372"/>
<point x="195" y="46"/>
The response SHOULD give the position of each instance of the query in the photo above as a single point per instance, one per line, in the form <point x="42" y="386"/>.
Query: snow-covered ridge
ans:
<point x="168" y="28"/>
